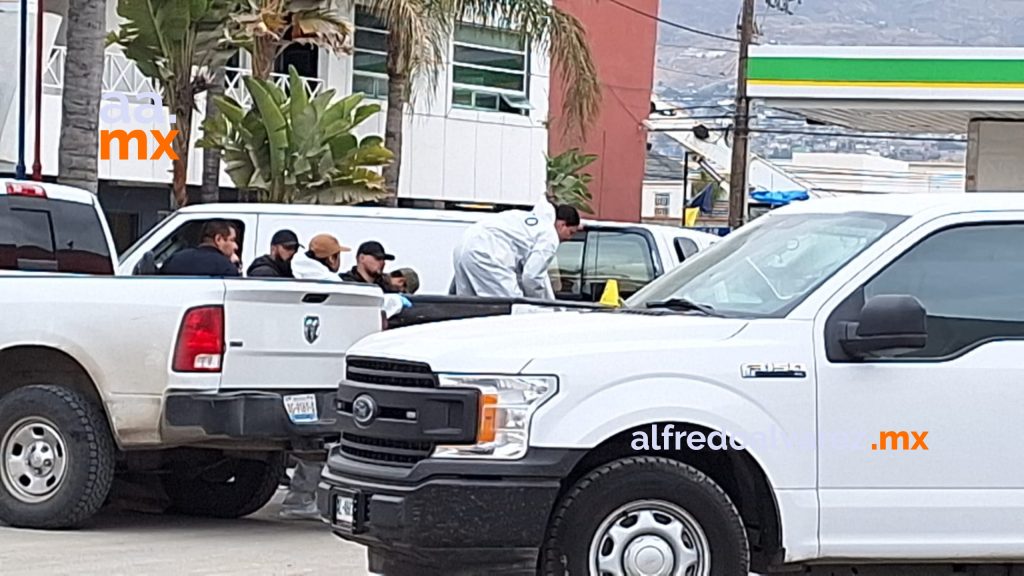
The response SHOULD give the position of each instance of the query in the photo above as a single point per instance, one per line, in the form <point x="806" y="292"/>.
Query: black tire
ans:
<point x="88" y="451"/>
<point x="234" y="488"/>
<point x="581" y="511"/>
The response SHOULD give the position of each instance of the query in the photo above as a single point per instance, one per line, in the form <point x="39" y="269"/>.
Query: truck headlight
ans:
<point x="507" y="405"/>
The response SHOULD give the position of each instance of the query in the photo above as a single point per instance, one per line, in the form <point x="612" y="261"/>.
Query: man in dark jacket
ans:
<point x="218" y="242"/>
<point x="277" y="264"/>
<point x="369" y="268"/>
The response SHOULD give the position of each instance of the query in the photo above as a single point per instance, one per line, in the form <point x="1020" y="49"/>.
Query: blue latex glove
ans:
<point x="406" y="303"/>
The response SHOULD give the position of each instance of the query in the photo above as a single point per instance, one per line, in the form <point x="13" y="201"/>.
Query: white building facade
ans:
<point x="479" y="137"/>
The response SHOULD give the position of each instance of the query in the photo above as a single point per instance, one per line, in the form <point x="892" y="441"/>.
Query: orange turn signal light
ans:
<point x="487" y="431"/>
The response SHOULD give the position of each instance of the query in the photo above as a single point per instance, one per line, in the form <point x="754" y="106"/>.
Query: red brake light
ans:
<point x="18" y="189"/>
<point x="200" y="346"/>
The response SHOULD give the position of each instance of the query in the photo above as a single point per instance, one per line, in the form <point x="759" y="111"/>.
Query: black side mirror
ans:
<point x="887" y="325"/>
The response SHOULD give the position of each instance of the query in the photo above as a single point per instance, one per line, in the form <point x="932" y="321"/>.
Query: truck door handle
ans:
<point x="315" y="298"/>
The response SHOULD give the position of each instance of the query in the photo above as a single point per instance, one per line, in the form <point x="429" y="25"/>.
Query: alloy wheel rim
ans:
<point x="650" y="538"/>
<point x="35" y="460"/>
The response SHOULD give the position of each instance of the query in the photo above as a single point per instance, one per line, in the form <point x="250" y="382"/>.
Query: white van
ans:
<point x="633" y="254"/>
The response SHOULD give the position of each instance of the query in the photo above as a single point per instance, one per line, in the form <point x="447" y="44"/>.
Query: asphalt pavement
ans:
<point x="129" y="544"/>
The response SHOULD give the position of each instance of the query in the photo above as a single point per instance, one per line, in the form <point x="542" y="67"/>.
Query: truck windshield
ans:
<point x="766" y="270"/>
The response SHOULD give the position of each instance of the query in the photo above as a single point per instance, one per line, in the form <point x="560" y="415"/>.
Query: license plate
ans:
<point x="344" y="509"/>
<point x="301" y="408"/>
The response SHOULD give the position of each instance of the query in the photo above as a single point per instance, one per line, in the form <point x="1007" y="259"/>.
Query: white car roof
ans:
<point x="53" y="191"/>
<point x="402" y="214"/>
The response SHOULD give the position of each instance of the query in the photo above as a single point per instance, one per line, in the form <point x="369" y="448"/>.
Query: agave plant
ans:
<point x="291" y="148"/>
<point x="566" y="183"/>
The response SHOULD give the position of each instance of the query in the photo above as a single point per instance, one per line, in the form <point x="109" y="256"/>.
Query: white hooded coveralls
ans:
<point x="306" y="268"/>
<point x="508" y="254"/>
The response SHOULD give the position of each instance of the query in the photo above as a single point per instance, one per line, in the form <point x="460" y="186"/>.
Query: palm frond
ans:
<point x="421" y="31"/>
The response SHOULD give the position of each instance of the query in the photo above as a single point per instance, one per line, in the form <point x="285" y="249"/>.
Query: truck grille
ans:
<point x="386" y="372"/>
<point x="384" y="451"/>
<point x="390" y="372"/>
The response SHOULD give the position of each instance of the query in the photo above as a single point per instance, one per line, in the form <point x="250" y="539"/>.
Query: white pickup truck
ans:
<point x="833" y="389"/>
<point x="204" y="384"/>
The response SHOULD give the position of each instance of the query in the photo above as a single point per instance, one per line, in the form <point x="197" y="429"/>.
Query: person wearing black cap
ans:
<point x="369" y="268"/>
<point x="283" y="246"/>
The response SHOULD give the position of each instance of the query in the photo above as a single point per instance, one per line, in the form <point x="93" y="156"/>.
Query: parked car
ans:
<point x="52" y="228"/>
<point x="202" y="385"/>
<point x="633" y="254"/>
<point x="833" y="388"/>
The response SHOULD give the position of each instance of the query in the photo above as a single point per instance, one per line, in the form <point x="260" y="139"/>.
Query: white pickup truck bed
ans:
<point x="109" y="347"/>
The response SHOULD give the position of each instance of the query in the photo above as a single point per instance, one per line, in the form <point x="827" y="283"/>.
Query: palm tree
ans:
<point x="83" y="90"/>
<point x="175" y="43"/>
<point x="419" y="34"/>
<point x="264" y="28"/>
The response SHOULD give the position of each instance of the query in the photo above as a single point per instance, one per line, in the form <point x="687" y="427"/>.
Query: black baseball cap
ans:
<point x="375" y="249"/>
<point x="285" y="238"/>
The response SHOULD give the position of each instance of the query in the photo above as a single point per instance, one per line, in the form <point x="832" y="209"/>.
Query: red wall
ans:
<point x="623" y="44"/>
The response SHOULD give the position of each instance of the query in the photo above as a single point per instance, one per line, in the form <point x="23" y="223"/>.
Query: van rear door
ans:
<point x="293" y="335"/>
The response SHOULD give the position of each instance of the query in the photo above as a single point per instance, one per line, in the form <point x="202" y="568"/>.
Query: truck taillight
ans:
<point x="17" y="189"/>
<point x="200" y="346"/>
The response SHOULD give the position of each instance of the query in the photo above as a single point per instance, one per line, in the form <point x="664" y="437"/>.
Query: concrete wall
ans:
<point x="995" y="156"/>
<point x="623" y="44"/>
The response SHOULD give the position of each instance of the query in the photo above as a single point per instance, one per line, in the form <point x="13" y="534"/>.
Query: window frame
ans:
<point x="506" y="101"/>
<point x="380" y="81"/>
<point x="95" y="233"/>
<point x="652" y="262"/>
<point x="850" y="305"/>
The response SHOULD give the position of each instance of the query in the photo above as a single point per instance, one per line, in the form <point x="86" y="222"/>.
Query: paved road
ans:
<point x="143" y="545"/>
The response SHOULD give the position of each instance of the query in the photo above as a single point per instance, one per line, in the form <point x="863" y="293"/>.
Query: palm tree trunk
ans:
<point x="211" y="157"/>
<point x="394" y="125"/>
<point x="83" y="88"/>
<point x="263" y="55"/>
<point x="183" y="123"/>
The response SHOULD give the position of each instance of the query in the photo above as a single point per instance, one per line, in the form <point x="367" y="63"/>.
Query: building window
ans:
<point x="490" y="70"/>
<point x="662" y="199"/>
<point x="661" y="211"/>
<point x="370" y="57"/>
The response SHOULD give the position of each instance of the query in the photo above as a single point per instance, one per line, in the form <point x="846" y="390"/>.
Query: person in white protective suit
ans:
<point x="508" y="254"/>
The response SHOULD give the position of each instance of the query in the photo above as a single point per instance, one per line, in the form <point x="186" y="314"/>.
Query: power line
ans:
<point x="685" y="46"/>
<point x="677" y="25"/>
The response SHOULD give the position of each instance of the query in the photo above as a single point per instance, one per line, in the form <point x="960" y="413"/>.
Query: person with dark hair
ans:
<point x="369" y="269"/>
<point x="218" y="243"/>
<point x="405" y="280"/>
<point x="508" y="254"/>
<point x="278" y="263"/>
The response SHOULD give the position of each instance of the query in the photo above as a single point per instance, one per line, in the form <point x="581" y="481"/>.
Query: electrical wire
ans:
<point x="676" y="25"/>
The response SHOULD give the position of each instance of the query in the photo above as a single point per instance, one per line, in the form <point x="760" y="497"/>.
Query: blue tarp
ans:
<point x="779" y="198"/>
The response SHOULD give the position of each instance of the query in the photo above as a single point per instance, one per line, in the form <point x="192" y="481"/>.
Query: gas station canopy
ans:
<point x="891" y="89"/>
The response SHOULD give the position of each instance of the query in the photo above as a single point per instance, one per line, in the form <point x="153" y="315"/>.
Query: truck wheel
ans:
<point x="233" y="488"/>
<point x="645" y="516"/>
<point x="56" y="458"/>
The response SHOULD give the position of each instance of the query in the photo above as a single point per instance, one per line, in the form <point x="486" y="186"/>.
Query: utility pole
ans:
<point x="741" y="123"/>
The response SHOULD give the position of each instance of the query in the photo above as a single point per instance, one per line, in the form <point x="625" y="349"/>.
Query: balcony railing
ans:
<point x="121" y="75"/>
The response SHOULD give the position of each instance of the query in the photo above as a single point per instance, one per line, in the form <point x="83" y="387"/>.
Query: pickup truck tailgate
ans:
<point x="293" y="334"/>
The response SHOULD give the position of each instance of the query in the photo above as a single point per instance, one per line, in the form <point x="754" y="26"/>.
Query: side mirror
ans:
<point x="887" y="325"/>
